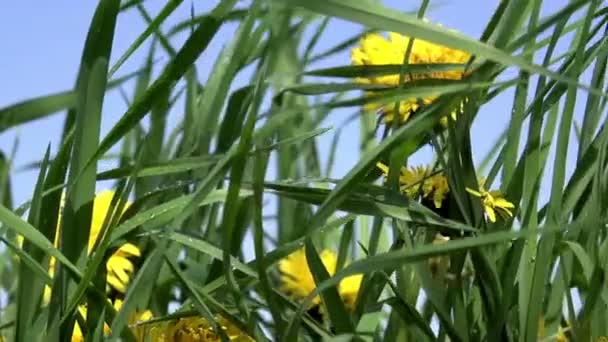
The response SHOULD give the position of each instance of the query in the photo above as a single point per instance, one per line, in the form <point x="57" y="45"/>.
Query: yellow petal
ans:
<point x="120" y="273"/>
<point x="116" y="284"/>
<point x="129" y="249"/>
<point x="503" y="203"/>
<point x="491" y="213"/>
<point x="382" y="167"/>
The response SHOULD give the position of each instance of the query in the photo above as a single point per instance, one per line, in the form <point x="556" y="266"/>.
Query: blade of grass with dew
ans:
<point x="162" y="168"/>
<point x="163" y="213"/>
<point x="206" y="248"/>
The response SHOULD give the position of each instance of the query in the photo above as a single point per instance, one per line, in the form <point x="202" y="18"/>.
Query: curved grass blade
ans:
<point x="43" y="106"/>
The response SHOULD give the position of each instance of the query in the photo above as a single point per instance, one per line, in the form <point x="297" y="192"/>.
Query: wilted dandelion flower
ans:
<point x="493" y="202"/>
<point x="119" y="266"/>
<point x="298" y="281"/>
<point x="194" y="329"/>
<point x="375" y="49"/>
<point x="439" y="265"/>
<point x="420" y="181"/>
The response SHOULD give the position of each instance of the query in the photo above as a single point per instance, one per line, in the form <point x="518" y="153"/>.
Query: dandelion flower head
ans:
<point x="297" y="279"/>
<point x="195" y="329"/>
<point x="135" y="317"/>
<point x="420" y="182"/>
<point x="375" y="49"/>
<point x="493" y="202"/>
<point x="119" y="266"/>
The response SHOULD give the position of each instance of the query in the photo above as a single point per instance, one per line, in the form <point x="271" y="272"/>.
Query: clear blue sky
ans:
<point x="42" y="43"/>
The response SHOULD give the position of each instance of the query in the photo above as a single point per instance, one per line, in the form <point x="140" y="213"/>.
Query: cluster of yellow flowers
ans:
<point x="418" y="183"/>
<point x="134" y="318"/>
<point x="120" y="268"/>
<point x="375" y="49"/>
<point x="421" y="183"/>
<point x="194" y="329"/>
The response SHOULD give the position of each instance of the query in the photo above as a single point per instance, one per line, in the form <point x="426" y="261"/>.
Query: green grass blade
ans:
<point x="186" y="56"/>
<point x="165" y="12"/>
<point x="336" y="311"/>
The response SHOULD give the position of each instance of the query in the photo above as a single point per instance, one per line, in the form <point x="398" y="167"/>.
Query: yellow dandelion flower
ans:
<point x="298" y="281"/>
<point x="119" y="266"/>
<point x="349" y="290"/>
<point x="419" y="181"/>
<point x="139" y="316"/>
<point x="493" y="202"/>
<point x="136" y="317"/>
<point x="375" y="49"/>
<point x="195" y="329"/>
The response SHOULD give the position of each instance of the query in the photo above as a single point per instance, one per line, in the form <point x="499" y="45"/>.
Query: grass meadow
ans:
<point x="228" y="221"/>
